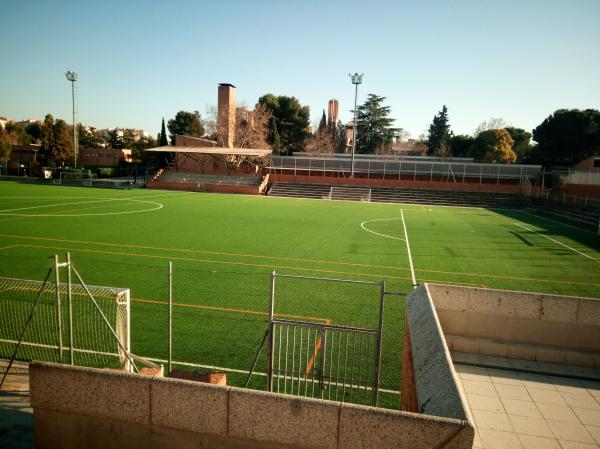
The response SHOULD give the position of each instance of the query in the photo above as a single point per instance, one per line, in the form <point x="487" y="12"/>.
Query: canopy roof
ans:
<point x="213" y="151"/>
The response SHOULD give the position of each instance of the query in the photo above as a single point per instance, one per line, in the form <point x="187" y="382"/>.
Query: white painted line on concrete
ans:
<point x="556" y="241"/>
<point x="412" y="270"/>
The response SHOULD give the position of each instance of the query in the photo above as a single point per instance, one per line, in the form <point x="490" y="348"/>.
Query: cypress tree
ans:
<point x="276" y="138"/>
<point x="322" y="123"/>
<point x="163" y="135"/>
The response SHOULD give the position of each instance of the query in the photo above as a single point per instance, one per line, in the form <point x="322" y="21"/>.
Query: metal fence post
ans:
<point x="70" y="305"/>
<point x="376" y="375"/>
<point x="271" y="334"/>
<point x="58" y="308"/>
<point x="170" y="357"/>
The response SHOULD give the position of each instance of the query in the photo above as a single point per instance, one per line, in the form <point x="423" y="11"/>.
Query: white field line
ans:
<point x="94" y="197"/>
<point x="412" y="270"/>
<point x="8" y="211"/>
<point x="557" y="242"/>
<point x="362" y="225"/>
<point x="62" y="204"/>
<point x="102" y="200"/>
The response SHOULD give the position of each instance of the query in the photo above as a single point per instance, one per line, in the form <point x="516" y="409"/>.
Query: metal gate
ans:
<point x="324" y="360"/>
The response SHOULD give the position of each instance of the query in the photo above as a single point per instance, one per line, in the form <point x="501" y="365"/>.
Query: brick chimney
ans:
<point x="226" y="113"/>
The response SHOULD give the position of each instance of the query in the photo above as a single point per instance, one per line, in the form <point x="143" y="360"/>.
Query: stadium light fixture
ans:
<point x="72" y="76"/>
<point x="356" y="80"/>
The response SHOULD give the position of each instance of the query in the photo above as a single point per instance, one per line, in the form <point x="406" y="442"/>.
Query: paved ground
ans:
<point x="16" y="415"/>
<point x="513" y="409"/>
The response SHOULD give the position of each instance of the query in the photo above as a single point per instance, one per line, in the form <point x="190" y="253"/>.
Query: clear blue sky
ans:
<point x="139" y="61"/>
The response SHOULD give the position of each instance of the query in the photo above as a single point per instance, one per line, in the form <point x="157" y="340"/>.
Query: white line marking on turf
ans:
<point x="412" y="269"/>
<point x="5" y="212"/>
<point x="362" y="225"/>
<point x="556" y="241"/>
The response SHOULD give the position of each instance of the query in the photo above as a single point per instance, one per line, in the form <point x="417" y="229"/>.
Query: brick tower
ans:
<point x="226" y="113"/>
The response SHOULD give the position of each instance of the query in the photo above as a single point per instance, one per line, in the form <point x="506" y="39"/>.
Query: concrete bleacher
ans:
<point x="397" y="195"/>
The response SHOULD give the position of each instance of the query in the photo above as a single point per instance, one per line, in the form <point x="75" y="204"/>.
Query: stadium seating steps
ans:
<point x="587" y="215"/>
<point x="398" y="195"/>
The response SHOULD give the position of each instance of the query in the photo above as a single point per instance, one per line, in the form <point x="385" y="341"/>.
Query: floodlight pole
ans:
<point x="356" y="80"/>
<point x="72" y="76"/>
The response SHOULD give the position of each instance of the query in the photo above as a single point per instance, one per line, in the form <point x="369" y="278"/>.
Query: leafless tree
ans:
<point x="250" y="131"/>
<point x="320" y="143"/>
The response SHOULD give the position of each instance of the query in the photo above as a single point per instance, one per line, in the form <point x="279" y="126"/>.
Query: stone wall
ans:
<point x="83" y="407"/>
<point x="435" y="381"/>
<point x="522" y="325"/>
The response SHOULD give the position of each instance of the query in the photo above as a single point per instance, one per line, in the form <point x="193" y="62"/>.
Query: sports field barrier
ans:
<point x="197" y="318"/>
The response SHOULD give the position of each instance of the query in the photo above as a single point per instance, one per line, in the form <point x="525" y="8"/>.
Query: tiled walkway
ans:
<point x="512" y="409"/>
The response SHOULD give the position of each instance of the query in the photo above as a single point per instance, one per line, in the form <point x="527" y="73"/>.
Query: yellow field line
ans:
<point x="199" y="251"/>
<point x="421" y="270"/>
<point x="226" y="309"/>
<point x="378" y="276"/>
<point x="224" y="262"/>
<point x="311" y="362"/>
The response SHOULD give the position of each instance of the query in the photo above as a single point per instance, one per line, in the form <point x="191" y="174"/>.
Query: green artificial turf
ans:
<point x="224" y="247"/>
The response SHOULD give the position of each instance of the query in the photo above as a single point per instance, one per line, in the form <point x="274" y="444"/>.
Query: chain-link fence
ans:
<point x="219" y="316"/>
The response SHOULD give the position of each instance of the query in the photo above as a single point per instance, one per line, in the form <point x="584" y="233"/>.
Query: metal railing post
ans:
<point x="271" y="334"/>
<point x="376" y="374"/>
<point x="170" y="359"/>
<point x="70" y="305"/>
<point x="58" y="309"/>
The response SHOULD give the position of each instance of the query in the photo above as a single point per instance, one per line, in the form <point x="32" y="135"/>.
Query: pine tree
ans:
<point x="374" y="126"/>
<point x="162" y="141"/>
<point x="439" y="133"/>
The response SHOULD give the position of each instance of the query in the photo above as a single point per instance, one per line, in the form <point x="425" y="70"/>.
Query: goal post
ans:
<point x="66" y="326"/>
<point x="83" y="177"/>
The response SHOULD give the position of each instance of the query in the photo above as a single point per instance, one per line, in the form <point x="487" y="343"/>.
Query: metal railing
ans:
<point x="404" y="169"/>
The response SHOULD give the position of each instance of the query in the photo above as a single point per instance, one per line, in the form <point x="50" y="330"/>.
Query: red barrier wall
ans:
<point x="581" y="190"/>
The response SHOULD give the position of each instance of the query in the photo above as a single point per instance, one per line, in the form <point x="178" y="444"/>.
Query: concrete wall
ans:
<point x="436" y="382"/>
<point x="424" y="184"/>
<point x="83" y="407"/>
<point x="529" y="326"/>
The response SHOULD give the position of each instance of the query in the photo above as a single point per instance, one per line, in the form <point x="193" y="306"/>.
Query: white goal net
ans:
<point x="67" y="326"/>
<point x="80" y="178"/>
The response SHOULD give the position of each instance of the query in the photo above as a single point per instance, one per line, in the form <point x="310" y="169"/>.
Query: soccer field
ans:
<point x="224" y="247"/>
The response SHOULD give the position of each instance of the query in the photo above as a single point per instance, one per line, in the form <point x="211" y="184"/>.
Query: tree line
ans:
<point x="282" y="123"/>
<point x="564" y="138"/>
